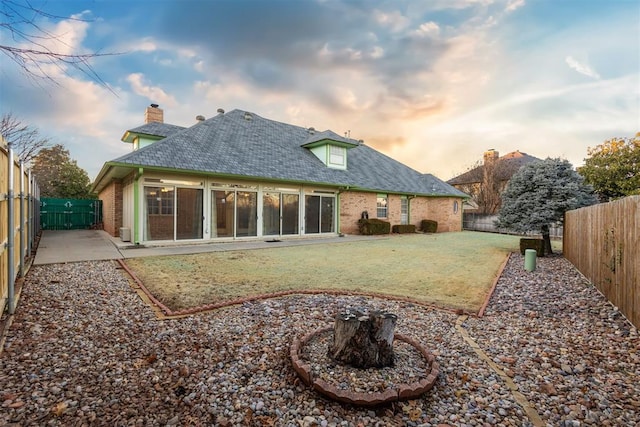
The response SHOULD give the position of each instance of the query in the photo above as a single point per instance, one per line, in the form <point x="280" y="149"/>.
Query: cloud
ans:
<point x="514" y="4"/>
<point x="67" y="35"/>
<point x="153" y="93"/>
<point x="428" y="29"/>
<point x="145" y="45"/>
<point x="60" y="39"/>
<point x="584" y="69"/>
<point x="393" y="20"/>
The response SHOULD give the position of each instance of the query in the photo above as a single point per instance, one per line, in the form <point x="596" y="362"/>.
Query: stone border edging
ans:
<point x="399" y="392"/>
<point x="493" y="287"/>
<point x="519" y="397"/>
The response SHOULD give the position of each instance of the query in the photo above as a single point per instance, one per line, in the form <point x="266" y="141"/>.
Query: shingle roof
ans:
<point x="315" y="137"/>
<point x="157" y="129"/>
<point x="506" y="166"/>
<point x="231" y="144"/>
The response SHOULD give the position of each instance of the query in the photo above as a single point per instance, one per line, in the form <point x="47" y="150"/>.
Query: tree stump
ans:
<point x="363" y="340"/>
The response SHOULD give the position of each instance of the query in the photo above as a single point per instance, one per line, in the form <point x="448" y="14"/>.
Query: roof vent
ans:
<point x="200" y="118"/>
<point x="247" y="115"/>
<point x="220" y="111"/>
<point x="311" y="131"/>
<point x="361" y="141"/>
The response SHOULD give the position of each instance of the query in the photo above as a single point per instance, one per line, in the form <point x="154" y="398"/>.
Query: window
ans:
<point x="159" y="200"/>
<point x="337" y="155"/>
<point x="381" y="205"/>
<point x="404" y="210"/>
<point x="455" y="206"/>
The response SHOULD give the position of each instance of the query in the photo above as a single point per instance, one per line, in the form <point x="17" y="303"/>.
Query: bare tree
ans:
<point x="24" y="139"/>
<point x="482" y="183"/>
<point x="485" y="181"/>
<point x="32" y="50"/>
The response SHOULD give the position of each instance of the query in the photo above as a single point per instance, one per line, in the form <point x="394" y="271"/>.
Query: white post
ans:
<point x="11" y="236"/>
<point x="22" y="220"/>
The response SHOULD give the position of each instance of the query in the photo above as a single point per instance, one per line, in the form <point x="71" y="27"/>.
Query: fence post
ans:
<point x="30" y="214"/>
<point x="11" y="236"/>
<point x="22" y="219"/>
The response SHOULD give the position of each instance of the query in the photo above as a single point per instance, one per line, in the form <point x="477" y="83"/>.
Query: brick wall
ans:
<point x="153" y="114"/>
<point x="111" y="197"/>
<point x="440" y="209"/>
<point x="352" y="205"/>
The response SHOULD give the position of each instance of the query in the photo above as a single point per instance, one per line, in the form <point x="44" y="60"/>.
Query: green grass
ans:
<point x="454" y="270"/>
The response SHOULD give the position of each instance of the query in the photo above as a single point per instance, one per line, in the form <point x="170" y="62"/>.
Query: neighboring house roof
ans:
<point x="506" y="166"/>
<point x="156" y="129"/>
<point x="247" y="146"/>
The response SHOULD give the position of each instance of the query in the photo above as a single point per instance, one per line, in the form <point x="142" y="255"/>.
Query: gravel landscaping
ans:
<point x="84" y="349"/>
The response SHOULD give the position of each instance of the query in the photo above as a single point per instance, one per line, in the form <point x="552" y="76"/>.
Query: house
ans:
<point x="485" y="182"/>
<point x="240" y="176"/>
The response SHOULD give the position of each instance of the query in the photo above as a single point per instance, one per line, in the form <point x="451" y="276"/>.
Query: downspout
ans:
<point x="11" y="275"/>
<point x="136" y="207"/>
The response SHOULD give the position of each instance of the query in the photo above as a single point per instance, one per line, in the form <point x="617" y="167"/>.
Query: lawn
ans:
<point x="454" y="270"/>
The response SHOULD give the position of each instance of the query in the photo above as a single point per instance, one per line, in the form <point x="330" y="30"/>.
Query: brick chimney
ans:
<point x="153" y="114"/>
<point x="490" y="155"/>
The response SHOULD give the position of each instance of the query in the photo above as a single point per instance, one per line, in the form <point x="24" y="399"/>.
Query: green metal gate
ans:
<point x="70" y="214"/>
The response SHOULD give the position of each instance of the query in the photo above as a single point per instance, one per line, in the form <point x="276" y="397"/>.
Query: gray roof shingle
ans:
<point x="157" y="129"/>
<point x="505" y="167"/>
<point x="231" y="144"/>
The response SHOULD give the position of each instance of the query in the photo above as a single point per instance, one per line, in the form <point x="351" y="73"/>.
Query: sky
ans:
<point x="432" y="84"/>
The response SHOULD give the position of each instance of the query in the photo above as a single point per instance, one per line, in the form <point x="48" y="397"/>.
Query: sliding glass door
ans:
<point x="271" y="214"/>
<point x="319" y="214"/>
<point x="290" y="214"/>
<point x="234" y="213"/>
<point x="158" y="206"/>
<point x="280" y="214"/>
<point x="189" y="213"/>
<point x="173" y="213"/>
<point x="246" y="214"/>
<point x="222" y="213"/>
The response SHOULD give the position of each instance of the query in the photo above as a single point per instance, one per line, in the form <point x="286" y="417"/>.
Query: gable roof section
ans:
<point x="257" y="148"/>
<point x="506" y="166"/>
<point x="154" y="129"/>
<point x="327" y="136"/>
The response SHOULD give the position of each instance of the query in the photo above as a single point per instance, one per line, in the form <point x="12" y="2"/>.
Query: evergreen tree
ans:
<point x="539" y="194"/>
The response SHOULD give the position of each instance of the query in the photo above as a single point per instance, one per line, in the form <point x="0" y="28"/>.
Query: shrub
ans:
<point x="373" y="226"/>
<point x="429" y="226"/>
<point x="532" y="243"/>
<point x="403" y="228"/>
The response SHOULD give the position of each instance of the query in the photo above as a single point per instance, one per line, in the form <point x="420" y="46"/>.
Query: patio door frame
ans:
<point x="322" y="197"/>
<point x="174" y="186"/>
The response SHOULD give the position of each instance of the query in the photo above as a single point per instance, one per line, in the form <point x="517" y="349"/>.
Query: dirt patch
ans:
<point x="453" y="270"/>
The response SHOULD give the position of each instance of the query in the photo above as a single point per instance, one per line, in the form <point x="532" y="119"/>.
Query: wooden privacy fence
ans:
<point x="603" y="242"/>
<point x="19" y="223"/>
